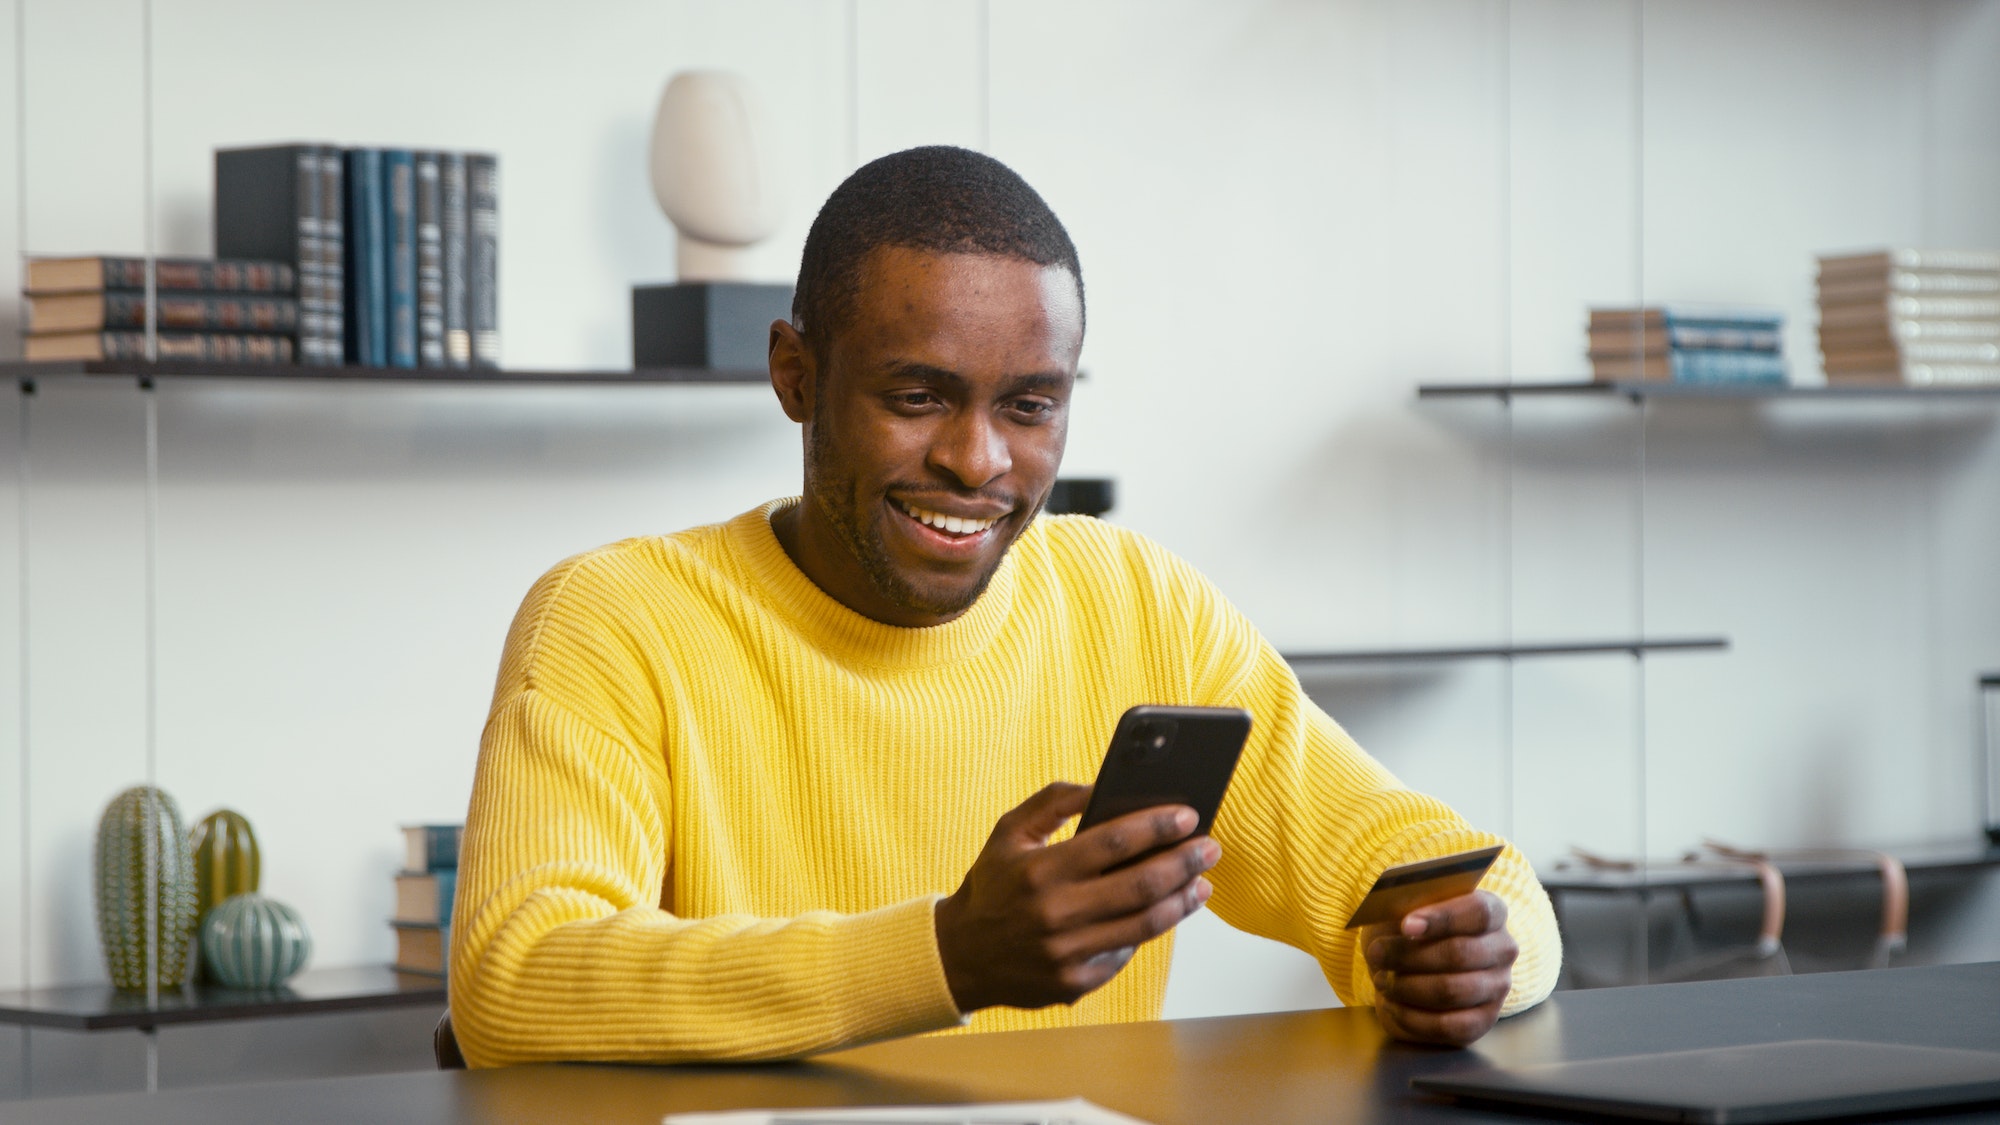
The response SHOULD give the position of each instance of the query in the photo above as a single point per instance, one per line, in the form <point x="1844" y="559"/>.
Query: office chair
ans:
<point x="1766" y="957"/>
<point x="1892" y="936"/>
<point x="444" y="1044"/>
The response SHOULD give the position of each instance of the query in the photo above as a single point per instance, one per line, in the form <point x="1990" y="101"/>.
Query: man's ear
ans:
<point x="794" y="371"/>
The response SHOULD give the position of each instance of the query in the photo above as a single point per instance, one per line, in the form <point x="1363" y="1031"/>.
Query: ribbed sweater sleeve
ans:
<point x="562" y="949"/>
<point x="1310" y="818"/>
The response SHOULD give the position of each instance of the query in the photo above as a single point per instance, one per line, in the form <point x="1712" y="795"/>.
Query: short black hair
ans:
<point x="937" y="198"/>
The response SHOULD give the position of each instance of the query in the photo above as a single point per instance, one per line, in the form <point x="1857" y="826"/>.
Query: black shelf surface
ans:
<point x="1507" y="652"/>
<point x="187" y="370"/>
<point x="1990" y="679"/>
<point x="100" y="1007"/>
<point x="1572" y="877"/>
<point x="1637" y="389"/>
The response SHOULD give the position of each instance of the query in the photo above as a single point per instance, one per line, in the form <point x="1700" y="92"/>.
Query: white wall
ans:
<point x="1289" y="214"/>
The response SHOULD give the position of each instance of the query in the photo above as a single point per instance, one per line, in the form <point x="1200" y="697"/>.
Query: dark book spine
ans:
<point x="268" y="205"/>
<point x="354" y="288"/>
<point x="482" y="257"/>
<point x="207" y="347"/>
<point x="430" y="262"/>
<point x="457" y="336"/>
<point x="333" y="255"/>
<point x="400" y="173"/>
<point x="183" y="312"/>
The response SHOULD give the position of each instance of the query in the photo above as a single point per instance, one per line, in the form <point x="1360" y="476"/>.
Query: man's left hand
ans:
<point x="1442" y="971"/>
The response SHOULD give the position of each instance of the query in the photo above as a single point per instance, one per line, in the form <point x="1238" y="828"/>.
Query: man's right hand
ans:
<point x="1036" y="923"/>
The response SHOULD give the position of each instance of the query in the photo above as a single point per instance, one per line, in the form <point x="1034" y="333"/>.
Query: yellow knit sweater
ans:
<point x="714" y="808"/>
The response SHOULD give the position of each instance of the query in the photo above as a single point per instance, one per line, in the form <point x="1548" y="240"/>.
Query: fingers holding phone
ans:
<point x="1035" y="923"/>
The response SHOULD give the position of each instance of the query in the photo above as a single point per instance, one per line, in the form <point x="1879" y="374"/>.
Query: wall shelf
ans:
<point x="28" y="374"/>
<point x="99" y="1007"/>
<point x="1638" y="389"/>
<point x="1632" y="647"/>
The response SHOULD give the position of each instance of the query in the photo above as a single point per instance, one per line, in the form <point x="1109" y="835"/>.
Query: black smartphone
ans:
<point x="1164" y="755"/>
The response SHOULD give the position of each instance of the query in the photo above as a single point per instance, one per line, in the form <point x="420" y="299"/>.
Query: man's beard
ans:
<point x="833" y="492"/>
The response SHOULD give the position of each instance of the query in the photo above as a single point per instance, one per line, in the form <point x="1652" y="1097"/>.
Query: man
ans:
<point x="802" y="780"/>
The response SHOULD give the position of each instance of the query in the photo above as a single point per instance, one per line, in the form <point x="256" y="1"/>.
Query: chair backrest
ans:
<point x="444" y="1043"/>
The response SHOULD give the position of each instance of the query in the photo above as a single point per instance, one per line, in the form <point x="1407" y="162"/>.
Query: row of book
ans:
<point x="424" y="891"/>
<point x="1911" y="317"/>
<point x="396" y="251"/>
<point x="96" y="308"/>
<point x="1687" y="344"/>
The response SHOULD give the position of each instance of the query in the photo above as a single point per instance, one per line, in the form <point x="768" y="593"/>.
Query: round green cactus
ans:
<point x="145" y="890"/>
<point x="250" y="941"/>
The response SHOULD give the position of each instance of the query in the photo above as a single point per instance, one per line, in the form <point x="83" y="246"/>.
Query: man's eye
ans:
<point x="913" y="400"/>
<point x="1034" y="409"/>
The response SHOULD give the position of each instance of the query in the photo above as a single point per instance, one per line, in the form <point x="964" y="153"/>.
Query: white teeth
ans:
<point x="954" y="525"/>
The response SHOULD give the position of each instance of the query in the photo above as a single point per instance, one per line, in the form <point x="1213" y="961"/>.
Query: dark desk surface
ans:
<point x="1324" y="1066"/>
<point x="99" y="1007"/>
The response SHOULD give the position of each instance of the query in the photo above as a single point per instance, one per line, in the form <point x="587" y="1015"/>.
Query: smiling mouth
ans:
<point x="950" y="525"/>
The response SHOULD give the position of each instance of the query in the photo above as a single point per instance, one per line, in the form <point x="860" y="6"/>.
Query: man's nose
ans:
<point x="972" y="449"/>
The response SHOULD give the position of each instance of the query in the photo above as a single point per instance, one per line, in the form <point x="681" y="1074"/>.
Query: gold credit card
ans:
<point x="1406" y="886"/>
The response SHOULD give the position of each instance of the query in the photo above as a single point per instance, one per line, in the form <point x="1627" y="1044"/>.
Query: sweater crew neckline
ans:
<point x="850" y="637"/>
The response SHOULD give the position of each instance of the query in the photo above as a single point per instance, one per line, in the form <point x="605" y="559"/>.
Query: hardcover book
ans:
<point x="424" y="897"/>
<point x="1839" y="289"/>
<point x="333" y="251"/>
<point x="1761" y="368"/>
<point x="431" y="847"/>
<point x="424" y="949"/>
<point x="83" y="312"/>
<point x="268" y="205"/>
<point x="367" y="341"/>
<point x="217" y="347"/>
<point x="1882" y="261"/>
<point x="399" y="206"/>
<point x="457" y="333"/>
<point x="1919" y="375"/>
<point x="103" y="274"/>
<point x="482" y="257"/>
<point x="430" y="260"/>
<point x="1708" y="316"/>
<point x="1686" y="337"/>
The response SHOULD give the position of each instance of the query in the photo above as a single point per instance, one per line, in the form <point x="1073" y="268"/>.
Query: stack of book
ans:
<point x="424" y="890"/>
<point x="398" y="248"/>
<point x="1910" y="317"/>
<point x="1688" y="344"/>
<point x="217" y="311"/>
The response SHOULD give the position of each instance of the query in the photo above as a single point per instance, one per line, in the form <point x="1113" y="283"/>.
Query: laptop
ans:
<point x="1795" y="1080"/>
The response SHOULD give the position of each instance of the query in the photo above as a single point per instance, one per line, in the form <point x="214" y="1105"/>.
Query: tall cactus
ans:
<point x="226" y="862"/>
<point x="140" y="847"/>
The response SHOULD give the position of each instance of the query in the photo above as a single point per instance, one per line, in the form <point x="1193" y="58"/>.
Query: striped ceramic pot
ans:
<point x="250" y="941"/>
<point x="145" y="890"/>
<point x="226" y="862"/>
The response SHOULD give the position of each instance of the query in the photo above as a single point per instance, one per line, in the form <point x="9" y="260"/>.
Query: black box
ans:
<point x="719" y="325"/>
<point x="1081" y="496"/>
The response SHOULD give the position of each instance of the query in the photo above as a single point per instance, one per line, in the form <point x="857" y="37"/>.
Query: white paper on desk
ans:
<point x="1075" y="1111"/>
